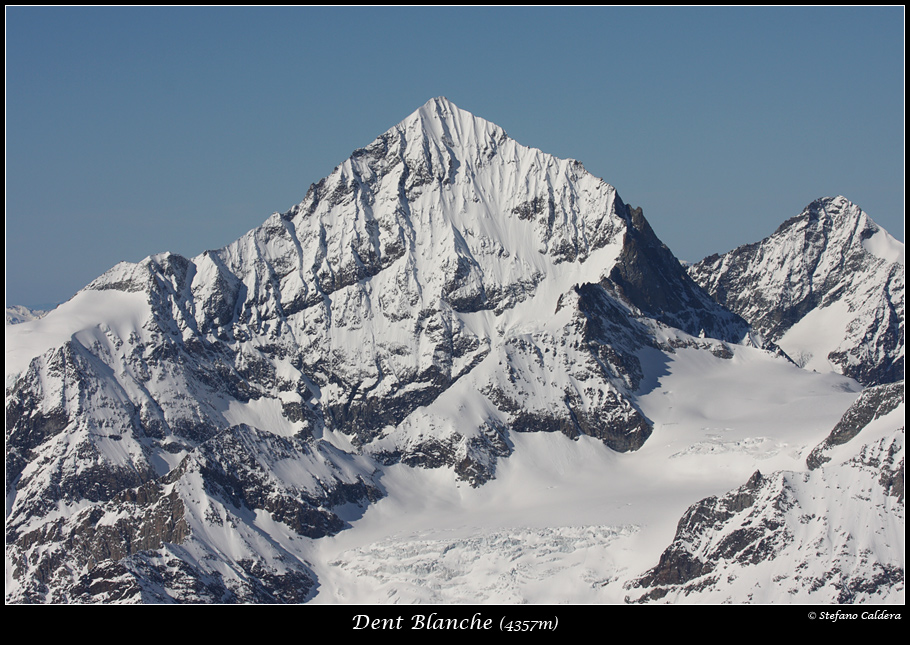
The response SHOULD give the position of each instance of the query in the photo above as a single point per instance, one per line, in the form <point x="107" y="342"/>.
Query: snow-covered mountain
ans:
<point x="18" y="314"/>
<point x="451" y="330"/>
<point x="827" y="287"/>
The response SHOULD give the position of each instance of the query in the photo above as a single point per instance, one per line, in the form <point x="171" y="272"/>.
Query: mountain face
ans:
<point x="444" y="308"/>
<point x="442" y="288"/>
<point x="827" y="287"/>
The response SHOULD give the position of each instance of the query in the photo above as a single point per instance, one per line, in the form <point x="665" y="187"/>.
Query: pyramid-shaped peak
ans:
<point x="830" y="213"/>
<point x="443" y="108"/>
<point x="832" y="206"/>
<point x="842" y="213"/>
<point x="440" y="104"/>
<point x="443" y="121"/>
<point x="854" y="227"/>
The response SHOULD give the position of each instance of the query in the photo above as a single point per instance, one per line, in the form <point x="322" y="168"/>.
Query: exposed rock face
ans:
<point x="827" y="286"/>
<point x="819" y="536"/>
<point x="162" y="577"/>
<point x="178" y="424"/>
<point x="679" y="565"/>
<point x="873" y="403"/>
<point x="652" y="279"/>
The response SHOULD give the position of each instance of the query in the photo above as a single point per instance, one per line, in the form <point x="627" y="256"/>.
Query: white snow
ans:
<point x="883" y="245"/>
<point x="571" y="521"/>
<point x="84" y="314"/>
<point x="819" y="332"/>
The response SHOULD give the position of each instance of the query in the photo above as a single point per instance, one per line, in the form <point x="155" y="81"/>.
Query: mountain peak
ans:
<point x="439" y="104"/>
<point x="441" y="108"/>
<point x="444" y="122"/>
<point x="844" y="225"/>
<point x="829" y="268"/>
<point x="840" y="209"/>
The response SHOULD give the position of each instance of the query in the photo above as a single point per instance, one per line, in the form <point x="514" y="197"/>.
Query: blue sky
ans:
<point x="132" y="131"/>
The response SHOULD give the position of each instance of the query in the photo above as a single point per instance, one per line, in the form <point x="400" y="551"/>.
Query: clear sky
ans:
<point x="132" y="131"/>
